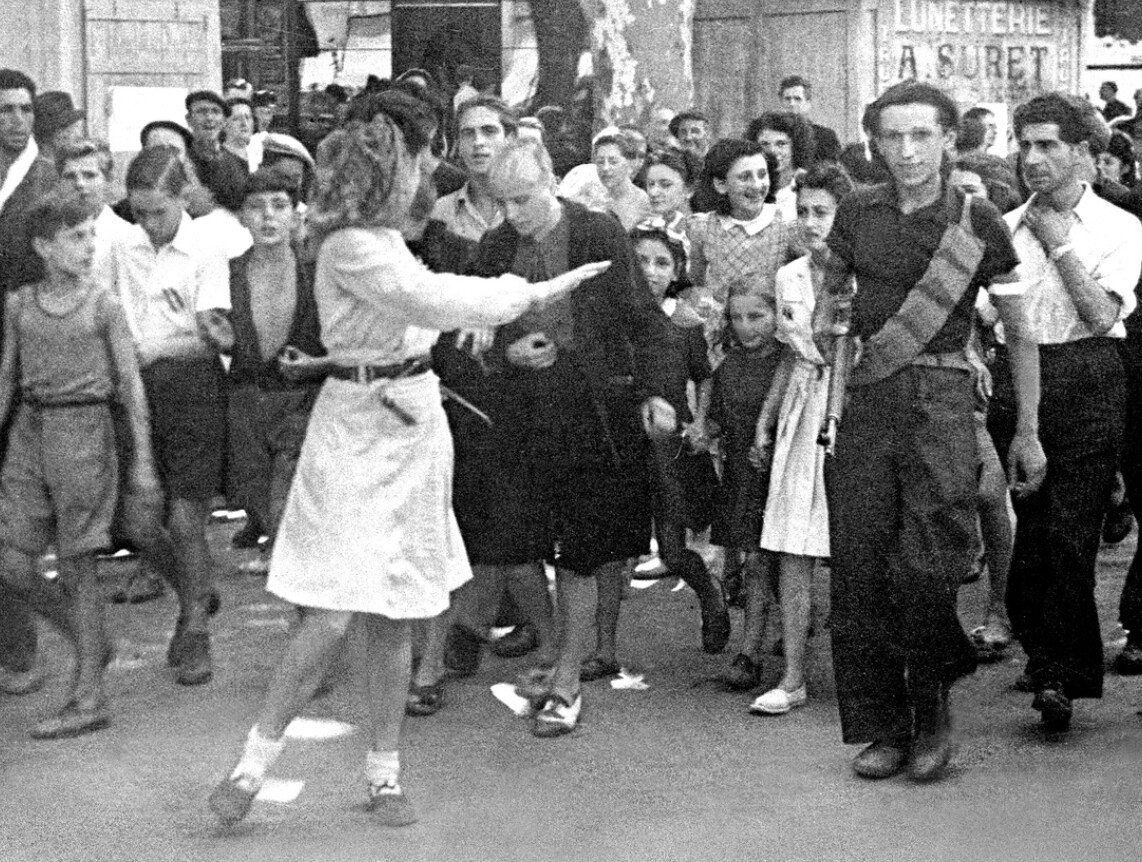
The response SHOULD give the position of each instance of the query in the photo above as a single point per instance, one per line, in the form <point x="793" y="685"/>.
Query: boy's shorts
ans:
<point x="188" y="425"/>
<point x="59" y="481"/>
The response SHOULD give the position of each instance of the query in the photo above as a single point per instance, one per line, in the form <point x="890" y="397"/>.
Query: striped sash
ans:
<point x="927" y="306"/>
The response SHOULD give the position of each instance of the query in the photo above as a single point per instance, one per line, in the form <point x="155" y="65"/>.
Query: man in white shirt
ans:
<point x="1081" y="257"/>
<point x="483" y="125"/>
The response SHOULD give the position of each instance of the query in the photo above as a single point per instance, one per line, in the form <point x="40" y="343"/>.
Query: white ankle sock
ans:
<point x="382" y="768"/>
<point x="257" y="758"/>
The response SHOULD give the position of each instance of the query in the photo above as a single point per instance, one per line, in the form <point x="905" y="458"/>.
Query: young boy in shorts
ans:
<point x="67" y="357"/>
<point x="272" y="311"/>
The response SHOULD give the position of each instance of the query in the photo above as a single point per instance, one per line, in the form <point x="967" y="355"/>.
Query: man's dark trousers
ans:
<point x="902" y="515"/>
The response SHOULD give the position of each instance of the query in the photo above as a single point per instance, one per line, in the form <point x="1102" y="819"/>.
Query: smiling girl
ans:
<point x="796" y="522"/>
<point x="744" y="238"/>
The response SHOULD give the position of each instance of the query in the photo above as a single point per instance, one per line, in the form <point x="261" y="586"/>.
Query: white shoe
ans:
<point x="778" y="701"/>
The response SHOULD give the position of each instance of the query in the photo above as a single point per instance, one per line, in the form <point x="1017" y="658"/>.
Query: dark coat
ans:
<point x="19" y="263"/>
<point x="618" y="326"/>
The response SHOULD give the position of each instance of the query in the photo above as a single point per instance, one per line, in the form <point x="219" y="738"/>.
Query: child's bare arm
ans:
<point x="9" y="358"/>
<point x="132" y="397"/>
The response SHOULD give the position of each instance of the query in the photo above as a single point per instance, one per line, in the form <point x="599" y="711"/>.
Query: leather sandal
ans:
<point x="75" y="719"/>
<point x="425" y="700"/>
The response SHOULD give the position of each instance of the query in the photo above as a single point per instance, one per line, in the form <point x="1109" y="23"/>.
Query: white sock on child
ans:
<point x="382" y="769"/>
<point x="257" y="758"/>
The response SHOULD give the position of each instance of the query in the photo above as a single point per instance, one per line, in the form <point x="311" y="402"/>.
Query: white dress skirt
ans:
<point x="796" y="512"/>
<point x="368" y="525"/>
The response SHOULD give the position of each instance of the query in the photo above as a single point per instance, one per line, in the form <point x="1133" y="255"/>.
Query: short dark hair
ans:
<point x="689" y="114"/>
<point x="791" y="81"/>
<point x="14" y="79"/>
<point x="496" y="105"/>
<point x="157" y="168"/>
<point x="978" y="113"/>
<point x="179" y="129"/>
<point x="1113" y="87"/>
<point x="971" y="135"/>
<point x="207" y="96"/>
<point x="1122" y="148"/>
<point x="82" y="149"/>
<point x="54" y="212"/>
<point x="1058" y="109"/>
<point x="682" y="162"/>
<point x="799" y="131"/>
<point x="721" y="158"/>
<point x="829" y="177"/>
<point x="269" y="181"/>
<point x="912" y="93"/>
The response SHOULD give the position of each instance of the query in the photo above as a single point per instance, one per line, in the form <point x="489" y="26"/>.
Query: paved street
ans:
<point x="679" y="771"/>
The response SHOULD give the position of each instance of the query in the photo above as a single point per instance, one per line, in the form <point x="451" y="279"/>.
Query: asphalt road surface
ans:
<point x="678" y="770"/>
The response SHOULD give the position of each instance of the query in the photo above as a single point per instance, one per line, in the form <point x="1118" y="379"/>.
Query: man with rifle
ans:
<point x="902" y="480"/>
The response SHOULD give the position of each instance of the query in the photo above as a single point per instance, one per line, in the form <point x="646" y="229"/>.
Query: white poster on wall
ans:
<point x="131" y="108"/>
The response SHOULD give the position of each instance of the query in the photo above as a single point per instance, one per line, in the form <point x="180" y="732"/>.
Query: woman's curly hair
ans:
<point x="367" y="173"/>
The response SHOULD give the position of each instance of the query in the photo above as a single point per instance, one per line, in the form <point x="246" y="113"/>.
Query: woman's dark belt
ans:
<point x="370" y="373"/>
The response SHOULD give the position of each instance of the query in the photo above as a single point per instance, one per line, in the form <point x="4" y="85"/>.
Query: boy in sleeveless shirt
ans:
<point x="68" y="357"/>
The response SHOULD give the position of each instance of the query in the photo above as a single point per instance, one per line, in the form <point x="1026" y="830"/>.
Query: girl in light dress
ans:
<point x="368" y="532"/>
<point x="796" y="523"/>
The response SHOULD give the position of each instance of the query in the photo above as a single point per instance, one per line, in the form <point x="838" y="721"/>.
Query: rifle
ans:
<point x="843" y="350"/>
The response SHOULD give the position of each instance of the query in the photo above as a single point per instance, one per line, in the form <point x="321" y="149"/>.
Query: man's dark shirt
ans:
<point x="1114" y="109"/>
<point x="826" y="144"/>
<point x="890" y="252"/>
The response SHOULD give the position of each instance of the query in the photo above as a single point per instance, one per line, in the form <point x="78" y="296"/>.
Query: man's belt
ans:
<point x="953" y="359"/>
<point x="369" y="373"/>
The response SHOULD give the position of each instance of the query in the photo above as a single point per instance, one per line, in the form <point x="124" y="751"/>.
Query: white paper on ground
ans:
<point x="318" y="728"/>
<point x="629" y="680"/>
<point x="279" y="790"/>
<point x="509" y="696"/>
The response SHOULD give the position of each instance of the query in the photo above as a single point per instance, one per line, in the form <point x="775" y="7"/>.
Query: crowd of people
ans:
<point x="432" y="353"/>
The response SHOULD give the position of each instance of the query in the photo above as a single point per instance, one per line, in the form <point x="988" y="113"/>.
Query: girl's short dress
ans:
<point x="796" y="515"/>
<point x="368" y="526"/>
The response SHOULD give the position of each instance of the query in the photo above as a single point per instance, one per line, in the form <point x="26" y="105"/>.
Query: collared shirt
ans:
<point x="1107" y="240"/>
<point x="753" y="226"/>
<point x="889" y="251"/>
<point x="163" y="289"/>
<point x="462" y="217"/>
<point x="109" y="229"/>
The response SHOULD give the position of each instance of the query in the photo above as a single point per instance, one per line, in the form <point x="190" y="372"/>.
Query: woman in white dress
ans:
<point x="368" y="530"/>
<point x="796" y="523"/>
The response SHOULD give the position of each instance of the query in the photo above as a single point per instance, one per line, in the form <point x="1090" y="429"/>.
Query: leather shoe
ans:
<point x="882" y="759"/>
<point x="597" y="668"/>
<point x="715" y="625"/>
<point x="195" y="666"/>
<point x="462" y="651"/>
<point x="75" y="719"/>
<point x="932" y="747"/>
<point x="518" y="642"/>
<point x="19" y="682"/>
<point x="742" y="674"/>
<point x="1129" y="661"/>
<point x="231" y="799"/>
<point x="1054" y="707"/>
